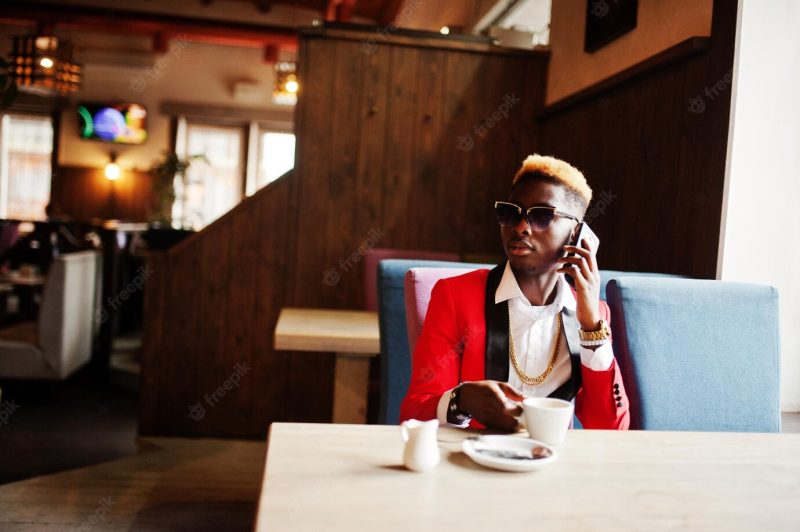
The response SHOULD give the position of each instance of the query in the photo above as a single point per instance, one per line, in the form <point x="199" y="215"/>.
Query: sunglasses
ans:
<point x="539" y="218"/>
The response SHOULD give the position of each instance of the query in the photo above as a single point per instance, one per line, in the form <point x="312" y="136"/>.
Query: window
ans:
<point x="276" y="156"/>
<point x="26" y="148"/>
<point x="214" y="186"/>
<point x="240" y="158"/>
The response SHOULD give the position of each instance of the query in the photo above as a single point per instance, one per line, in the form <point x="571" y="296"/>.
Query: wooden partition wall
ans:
<point x="400" y="143"/>
<point x="83" y="193"/>
<point x="652" y="141"/>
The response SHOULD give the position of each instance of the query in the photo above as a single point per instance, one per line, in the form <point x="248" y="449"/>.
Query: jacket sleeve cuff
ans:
<point x="599" y="359"/>
<point x="441" y="411"/>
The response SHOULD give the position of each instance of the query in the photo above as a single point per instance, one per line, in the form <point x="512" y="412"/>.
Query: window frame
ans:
<point x="55" y="122"/>
<point x="250" y="147"/>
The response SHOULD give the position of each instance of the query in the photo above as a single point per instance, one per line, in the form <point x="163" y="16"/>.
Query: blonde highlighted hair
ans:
<point x="559" y="171"/>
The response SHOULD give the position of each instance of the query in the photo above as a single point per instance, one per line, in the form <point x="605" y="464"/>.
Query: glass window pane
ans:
<point x="27" y="153"/>
<point x="214" y="187"/>
<point x="276" y="156"/>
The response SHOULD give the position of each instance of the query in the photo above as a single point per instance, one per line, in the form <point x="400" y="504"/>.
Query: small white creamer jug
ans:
<point x="422" y="451"/>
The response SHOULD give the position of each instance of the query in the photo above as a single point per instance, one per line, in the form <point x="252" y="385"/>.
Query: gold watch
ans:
<point x="600" y="334"/>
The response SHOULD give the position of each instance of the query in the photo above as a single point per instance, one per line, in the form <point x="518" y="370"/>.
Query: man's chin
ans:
<point x="529" y="265"/>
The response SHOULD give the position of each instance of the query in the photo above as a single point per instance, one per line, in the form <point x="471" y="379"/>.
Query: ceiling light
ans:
<point x="44" y="65"/>
<point x="286" y="84"/>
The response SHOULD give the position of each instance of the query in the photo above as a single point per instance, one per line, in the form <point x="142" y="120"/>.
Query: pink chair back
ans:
<point x="373" y="256"/>
<point x="418" y="285"/>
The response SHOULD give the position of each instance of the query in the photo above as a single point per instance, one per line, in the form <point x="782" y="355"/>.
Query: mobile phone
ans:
<point x="584" y="232"/>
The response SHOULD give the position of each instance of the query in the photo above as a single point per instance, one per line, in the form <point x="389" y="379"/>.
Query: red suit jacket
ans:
<point x="452" y="348"/>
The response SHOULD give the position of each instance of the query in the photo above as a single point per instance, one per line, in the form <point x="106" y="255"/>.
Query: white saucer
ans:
<point x="472" y="447"/>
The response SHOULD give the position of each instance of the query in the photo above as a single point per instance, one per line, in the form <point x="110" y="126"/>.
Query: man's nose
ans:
<point x="522" y="227"/>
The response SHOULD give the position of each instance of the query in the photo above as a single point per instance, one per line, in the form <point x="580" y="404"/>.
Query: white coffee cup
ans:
<point x="547" y="419"/>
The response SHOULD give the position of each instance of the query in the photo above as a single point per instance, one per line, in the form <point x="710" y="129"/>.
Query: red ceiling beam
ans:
<point x="388" y="12"/>
<point x="340" y="10"/>
<point x="107" y="21"/>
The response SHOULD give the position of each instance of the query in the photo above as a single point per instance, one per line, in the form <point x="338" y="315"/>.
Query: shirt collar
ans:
<point x="509" y="290"/>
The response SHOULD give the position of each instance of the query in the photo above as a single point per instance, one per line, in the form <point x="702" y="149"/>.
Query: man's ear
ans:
<point x="573" y="233"/>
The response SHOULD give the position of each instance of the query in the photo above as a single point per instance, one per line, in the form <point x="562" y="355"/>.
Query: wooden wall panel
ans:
<point x="210" y="311"/>
<point x="374" y="120"/>
<point x="84" y="193"/>
<point x="215" y="363"/>
<point x="428" y="152"/>
<point x="270" y="368"/>
<point x="399" y="146"/>
<point x="461" y="109"/>
<point x="338" y="219"/>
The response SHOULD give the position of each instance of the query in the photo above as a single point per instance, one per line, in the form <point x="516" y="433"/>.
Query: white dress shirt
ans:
<point x="533" y="330"/>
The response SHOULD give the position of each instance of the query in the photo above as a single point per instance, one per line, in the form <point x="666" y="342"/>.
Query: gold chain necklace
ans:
<point x="524" y="377"/>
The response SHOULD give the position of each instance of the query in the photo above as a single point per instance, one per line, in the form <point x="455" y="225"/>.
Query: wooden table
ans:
<point x="22" y="280"/>
<point x="352" y="335"/>
<point x="348" y="477"/>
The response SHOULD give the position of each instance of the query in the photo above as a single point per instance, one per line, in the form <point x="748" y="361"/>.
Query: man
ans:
<point x="491" y="338"/>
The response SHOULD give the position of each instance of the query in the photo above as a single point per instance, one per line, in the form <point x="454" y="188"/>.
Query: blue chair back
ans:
<point x="395" y="359"/>
<point x="607" y="275"/>
<point x="698" y="355"/>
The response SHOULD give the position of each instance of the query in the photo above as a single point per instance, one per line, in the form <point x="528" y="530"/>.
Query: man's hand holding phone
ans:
<point x="580" y="263"/>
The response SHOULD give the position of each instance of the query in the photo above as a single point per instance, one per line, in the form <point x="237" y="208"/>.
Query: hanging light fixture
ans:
<point x="112" y="170"/>
<point x="286" y="84"/>
<point x="44" y="65"/>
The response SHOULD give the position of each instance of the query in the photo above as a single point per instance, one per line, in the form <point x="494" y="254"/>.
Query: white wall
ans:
<point x="761" y="217"/>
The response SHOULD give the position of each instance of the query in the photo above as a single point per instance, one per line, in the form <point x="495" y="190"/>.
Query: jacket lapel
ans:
<point x="496" y="328"/>
<point x="569" y="389"/>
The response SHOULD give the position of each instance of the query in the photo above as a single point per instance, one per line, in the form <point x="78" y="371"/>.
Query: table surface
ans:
<point x="328" y="330"/>
<point x="20" y="280"/>
<point x="349" y="477"/>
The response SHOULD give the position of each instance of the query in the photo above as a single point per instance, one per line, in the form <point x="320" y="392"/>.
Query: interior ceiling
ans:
<point x="268" y="24"/>
<point x="278" y="12"/>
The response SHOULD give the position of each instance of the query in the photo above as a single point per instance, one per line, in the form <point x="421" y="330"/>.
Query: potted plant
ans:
<point x="161" y="234"/>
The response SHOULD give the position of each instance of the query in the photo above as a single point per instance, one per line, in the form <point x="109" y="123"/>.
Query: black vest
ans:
<point x="497" y="339"/>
